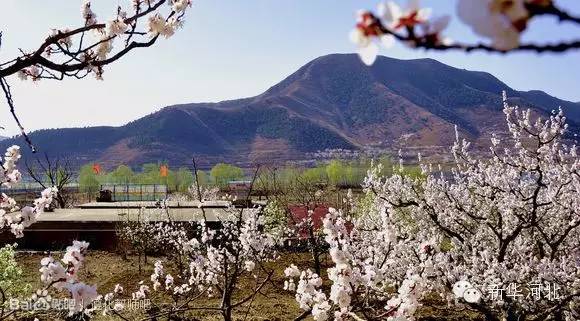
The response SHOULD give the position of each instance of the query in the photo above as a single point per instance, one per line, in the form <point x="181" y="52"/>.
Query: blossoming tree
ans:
<point x="501" y="21"/>
<point x="227" y="262"/>
<point x="498" y="236"/>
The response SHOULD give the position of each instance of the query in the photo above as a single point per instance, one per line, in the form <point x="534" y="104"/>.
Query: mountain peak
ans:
<point x="332" y="102"/>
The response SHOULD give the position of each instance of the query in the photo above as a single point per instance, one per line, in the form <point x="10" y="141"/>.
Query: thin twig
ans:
<point x="8" y="95"/>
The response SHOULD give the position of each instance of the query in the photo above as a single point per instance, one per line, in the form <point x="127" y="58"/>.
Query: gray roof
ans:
<point x="155" y="215"/>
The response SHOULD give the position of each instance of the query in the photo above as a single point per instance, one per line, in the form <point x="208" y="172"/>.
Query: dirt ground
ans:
<point x="274" y="304"/>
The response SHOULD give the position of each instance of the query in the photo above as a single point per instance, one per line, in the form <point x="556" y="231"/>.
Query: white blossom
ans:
<point x="66" y="41"/>
<point x="64" y="277"/>
<point x="502" y="21"/>
<point x="489" y="217"/>
<point x="363" y="34"/>
<point x="179" y="5"/>
<point x="105" y="47"/>
<point x="141" y="293"/>
<point x="82" y="295"/>
<point x="87" y="13"/>
<point x="9" y="215"/>
<point x="118" y="289"/>
<point x="116" y="27"/>
<point x="249" y="266"/>
<point x="156" y="25"/>
<point x="398" y="17"/>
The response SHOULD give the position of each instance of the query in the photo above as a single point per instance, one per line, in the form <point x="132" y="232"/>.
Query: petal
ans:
<point x="368" y="54"/>
<point x="446" y="41"/>
<point x="388" y="41"/>
<point x="359" y="15"/>
<point x="357" y="37"/>
<point x="476" y="14"/>
<point x="507" y="40"/>
<point x="423" y="14"/>
<point x="392" y="11"/>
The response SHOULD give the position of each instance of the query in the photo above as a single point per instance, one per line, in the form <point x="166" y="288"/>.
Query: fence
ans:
<point x="136" y="192"/>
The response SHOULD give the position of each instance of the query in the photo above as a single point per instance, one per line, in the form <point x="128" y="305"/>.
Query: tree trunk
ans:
<point x="227" y="305"/>
<point x="314" y="251"/>
<point x="139" y="262"/>
<point x="60" y="200"/>
<point x="227" y="313"/>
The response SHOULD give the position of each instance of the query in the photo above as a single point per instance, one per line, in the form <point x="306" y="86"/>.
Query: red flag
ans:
<point x="163" y="170"/>
<point x="96" y="168"/>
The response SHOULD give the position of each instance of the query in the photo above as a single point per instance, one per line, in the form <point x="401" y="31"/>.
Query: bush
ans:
<point x="11" y="281"/>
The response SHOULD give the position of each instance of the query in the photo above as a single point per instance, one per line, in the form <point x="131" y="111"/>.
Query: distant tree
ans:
<point x="203" y="178"/>
<point x="88" y="180"/>
<point x="316" y="175"/>
<point x="170" y="180"/>
<point x="335" y="171"/>
<point x="274" y="180"/>
<point x="386" y="165"/>
<point x="354" y="174"/>
<point x="150" y="169"/>
<point x="149" y="174"/>
<point x="223" y="173"/>
<point x="55" y="172"/>
<point x="287" y="175"/>
<point x="122" y="175"/>
<point x="183" y="179"/>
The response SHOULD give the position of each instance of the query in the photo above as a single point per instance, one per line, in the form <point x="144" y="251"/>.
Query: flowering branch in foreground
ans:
<point x="88" y="49"/>
<point x="501" y="21"/>
<point x="11" y="217"/>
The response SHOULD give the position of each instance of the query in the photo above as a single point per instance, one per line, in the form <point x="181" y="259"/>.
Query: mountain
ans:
<point x="333" y="102"/>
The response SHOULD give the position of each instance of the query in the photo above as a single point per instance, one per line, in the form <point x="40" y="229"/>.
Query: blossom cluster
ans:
<point x="96" y="40"/>
<point x="9" y="175"/>
<point x="511" y="218"/>
<point x="10" y="215"/>
<point x="29" y="214"/>
<point x="63" y="275"/>
<point x="364" y="268"/>
<point x="389" y="20"/>
<point x="207" y="193"/>
<point x="308" y="293"/>
<point x="501" y="21"/>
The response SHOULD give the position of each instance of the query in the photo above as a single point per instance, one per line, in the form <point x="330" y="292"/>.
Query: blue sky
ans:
<point x="233" y="49"/>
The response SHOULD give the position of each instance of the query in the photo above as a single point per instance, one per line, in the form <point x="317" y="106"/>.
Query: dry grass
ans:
<point x="107" y="269"/>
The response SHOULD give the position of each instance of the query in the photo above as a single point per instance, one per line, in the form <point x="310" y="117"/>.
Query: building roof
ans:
<point x="153" y="204"/>
<point x="134" y="214"/>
